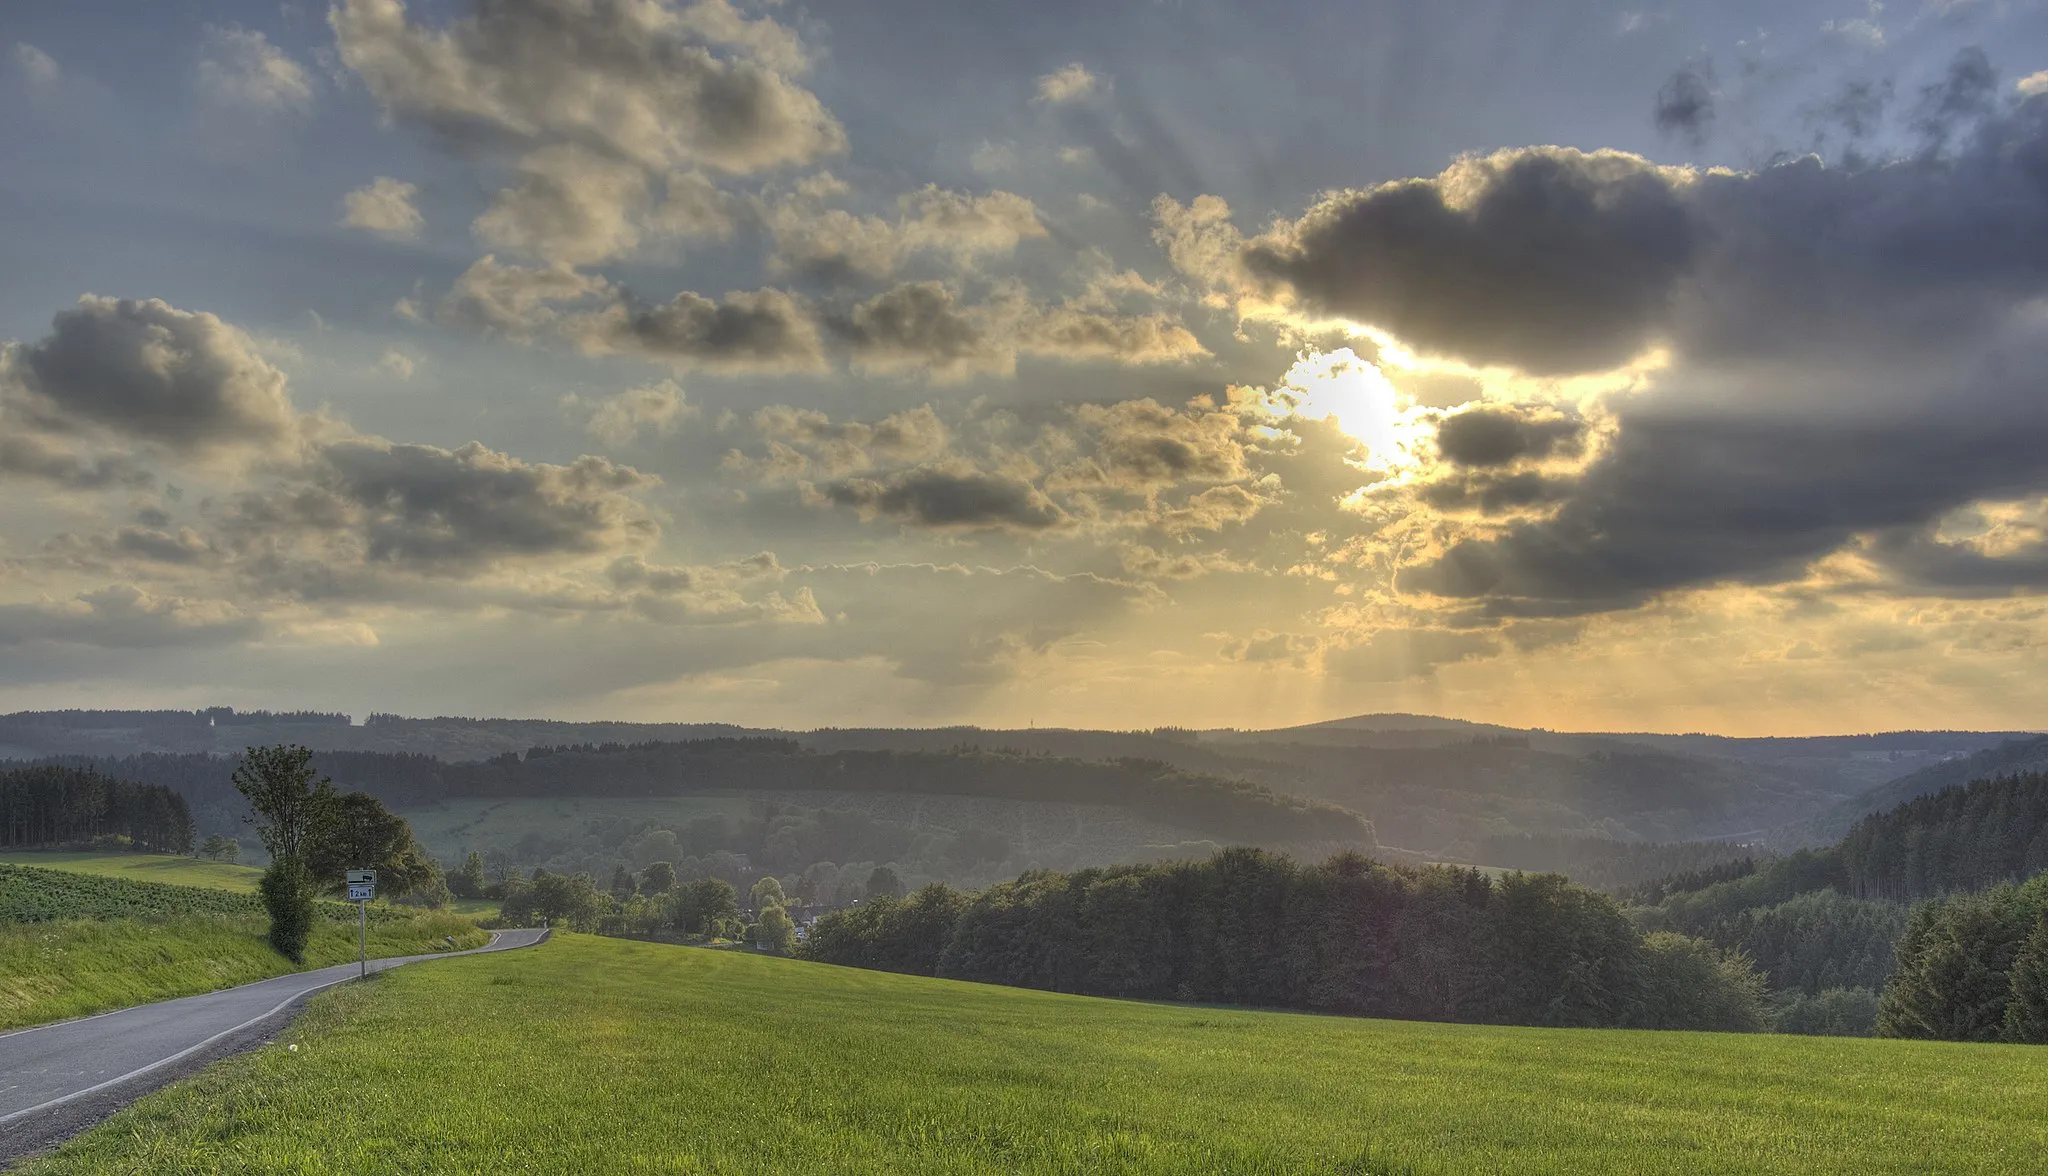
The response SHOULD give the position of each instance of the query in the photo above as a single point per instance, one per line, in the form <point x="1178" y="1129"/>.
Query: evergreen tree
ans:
<point x="2026" y="1010"/>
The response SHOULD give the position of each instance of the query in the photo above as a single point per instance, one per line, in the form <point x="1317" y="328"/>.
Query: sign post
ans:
<point x="362" y="886"/>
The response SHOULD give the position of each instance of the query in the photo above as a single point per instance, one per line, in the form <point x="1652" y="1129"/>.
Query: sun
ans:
<point x="1353" y="392"/>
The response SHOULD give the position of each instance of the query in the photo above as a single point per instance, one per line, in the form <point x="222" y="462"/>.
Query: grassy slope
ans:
<point x="592" y="1055"/>
<point x="51" y="971"/>
<point x="145" y="867"/>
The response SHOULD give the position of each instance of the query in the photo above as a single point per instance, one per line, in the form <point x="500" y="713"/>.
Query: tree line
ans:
<point x="49" y="806"/>
<point x="1350" y="935"/>
<point x="1604" y="863"/>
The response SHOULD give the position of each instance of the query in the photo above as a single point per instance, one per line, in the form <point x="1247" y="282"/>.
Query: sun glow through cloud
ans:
<point x="1340" y="386"/>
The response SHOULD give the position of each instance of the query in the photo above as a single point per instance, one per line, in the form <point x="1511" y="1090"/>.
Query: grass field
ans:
<point x="145" y="867"/>
<point x="591" y="1055"/>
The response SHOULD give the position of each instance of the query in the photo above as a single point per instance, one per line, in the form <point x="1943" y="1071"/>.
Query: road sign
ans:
<point x="362" y="887"/>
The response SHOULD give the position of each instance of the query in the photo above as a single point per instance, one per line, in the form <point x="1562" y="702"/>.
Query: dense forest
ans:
<point x="1349" y="936"/>
<point x="1834" y="925"/>
<point x="51" y="806"/>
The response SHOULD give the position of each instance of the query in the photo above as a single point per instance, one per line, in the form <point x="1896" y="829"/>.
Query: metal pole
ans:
<point x="363" y="940"/>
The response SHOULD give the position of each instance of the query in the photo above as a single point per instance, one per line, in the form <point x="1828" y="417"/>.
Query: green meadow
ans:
<point x="145" y="867"/>
<point x="598" y="1055"/>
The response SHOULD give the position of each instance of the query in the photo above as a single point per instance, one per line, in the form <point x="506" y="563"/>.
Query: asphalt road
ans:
<point x="57" y="1079"/>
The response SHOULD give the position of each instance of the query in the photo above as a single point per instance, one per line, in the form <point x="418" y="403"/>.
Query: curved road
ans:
<point x="56" y="1079"/>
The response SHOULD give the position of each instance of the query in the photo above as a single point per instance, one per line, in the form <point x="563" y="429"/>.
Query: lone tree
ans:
<point x="290" y="807"/>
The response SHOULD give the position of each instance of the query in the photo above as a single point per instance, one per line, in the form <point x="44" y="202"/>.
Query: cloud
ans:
<point x="1495" y="436"/>
<point x="1548" y="259"/>
<point x="239" y="67"/>
<point x="807" y="443"/>
<point x="1264" y="645"/>
<point x="1141" y="445"/>
<point x="124" y="616"/>
<point x="925" y="327"/>
<point x="368" y="503"/>
<point x="672" y="594"/>
<point x="37" y="457"/>
<point x="148" y="373"/>
<point x="574" y="206"/>
<point x="1069" y="83"/>
<point x="766" y="330"/>
<point x="2032" y="84"/>
<point x="659" y="408"/>
<point x="1685" y="104"/>
<point x="948" y="496"/>
<point x="397" y="364"/>
<point x="1966" y="92"/>
<point x="920" y="326"/>
<point x="37" y="68"/>
<point x="962" y="229"/>
<point x="517" y="301"/>
<point x="384" y="205"/>
<point x="639" y="81"/>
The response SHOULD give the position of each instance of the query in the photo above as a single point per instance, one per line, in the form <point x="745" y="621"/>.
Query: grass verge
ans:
<point x="592" y="1055"/>
<point x="51" y="971"/>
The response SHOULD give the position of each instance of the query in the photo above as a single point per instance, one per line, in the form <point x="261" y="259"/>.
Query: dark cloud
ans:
<point x="1685" y="104"/>
<point x="764" y="330"/>
<point x="1501" y="436"/>
<point x="148" y="372"/>
<point x="368" y="502"/>
<point x="1682" y="500"/>
<point x="1856" y="108"/>
<point x="1494" y="493"/>
<point x="1548" y="259"/>
<point x="949" y="497"/>
<point x="36" y="457"/>
<point x="919" y="325"/>
<point x="1965" y="93"/>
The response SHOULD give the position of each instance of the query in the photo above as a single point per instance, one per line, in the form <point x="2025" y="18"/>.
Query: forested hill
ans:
<point x="1963" y="838"/>
<point x="2010" y="757"/>
<point x="1228" y="809"/>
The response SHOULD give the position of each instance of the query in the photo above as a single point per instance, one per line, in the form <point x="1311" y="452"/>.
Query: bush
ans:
<point x="287" y="893"/>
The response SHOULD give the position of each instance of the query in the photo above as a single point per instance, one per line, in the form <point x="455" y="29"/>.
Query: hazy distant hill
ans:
<point x="2028" y="754"/>
<point x="1437" y="786"/>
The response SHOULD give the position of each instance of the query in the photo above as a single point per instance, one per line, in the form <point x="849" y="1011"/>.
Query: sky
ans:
<point x="1124" y="363"/>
